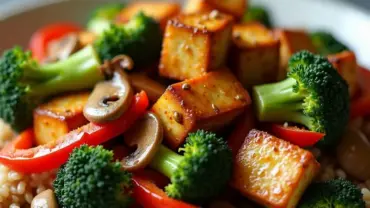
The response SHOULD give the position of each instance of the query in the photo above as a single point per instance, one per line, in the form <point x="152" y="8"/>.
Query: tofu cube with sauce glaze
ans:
<point x="195" y="44"/>
<point x="160" y="11"/>
<point x="255" y="54"/>
<point x="207" y="102"/>
<point x="232" y="7"/>
<point x="59" y="116"/>
<point x="346" y="64"/>
<point x="271" y="171"/>
<point x="292" y="41"/>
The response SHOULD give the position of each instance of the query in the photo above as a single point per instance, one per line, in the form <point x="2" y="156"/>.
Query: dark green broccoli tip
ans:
<point x="257" y="14"/>
<point x="326" y="43"/>
<point x="334" y="193"/>
<point x="140" y="38"/>
<point x="90" y="178"/>
<point x="103" y="16"/>
<point x="24" y="83"/>
<point x="314" y="95"/>
<point x="201" y="173"/>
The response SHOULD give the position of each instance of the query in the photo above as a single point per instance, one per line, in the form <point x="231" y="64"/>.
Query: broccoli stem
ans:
<point x="79" y="71"/>
<point x="278" y="102"/>
<point x="166" y="161"/>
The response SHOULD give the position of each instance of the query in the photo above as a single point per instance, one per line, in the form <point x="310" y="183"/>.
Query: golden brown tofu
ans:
<point x="160" y="11"/>
<point x="85" y="38"/>
<point x="195" y="44"/>
<point x="255" y="54"/>
<point x="346" y="64"/>
<point x="235" y="8"/>
<point x="271" y="171"/>
<point x="206" y="102"/>
<point x="59" y="116"/>
<point x="292" y="41"/>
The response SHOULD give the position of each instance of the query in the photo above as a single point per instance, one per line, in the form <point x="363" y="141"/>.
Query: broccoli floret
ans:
<point x="91" y="179"/>
<point x="314" y="95"/>
<point x="24" y="83"/>
<point x="140" y="38"/>
<point x="326" y="43"/>
<point x="102" y="17"/>
<point x="258" y="14"/>
<point x="337" y="193"/>
<point x="201" y="173"/>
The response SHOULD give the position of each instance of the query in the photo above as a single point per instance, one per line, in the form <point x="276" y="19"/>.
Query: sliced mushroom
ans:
<point x="62" y="48"/>
<point x="153" y="89"/>
<point x="353" y="154"/>
<point x="146" y="135"/>
<point x="109" y="99"/>
<point x="45" y="199"/>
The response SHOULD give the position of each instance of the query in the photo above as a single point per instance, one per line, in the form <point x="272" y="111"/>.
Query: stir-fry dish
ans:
<point x="156" y="105"/>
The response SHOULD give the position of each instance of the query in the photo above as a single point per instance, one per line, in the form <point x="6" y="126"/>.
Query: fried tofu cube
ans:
<point x="160" y="11"/>
<point x="59" y="116"/>
<point x="207" y="102"/>
<point x="292" y="41"/>
<point x="271" y="171"/>
<point x="195" y="44"/>
<point x="346" y="64"/>
<point x="255" y="54"/>
<point x="235" y="8"/>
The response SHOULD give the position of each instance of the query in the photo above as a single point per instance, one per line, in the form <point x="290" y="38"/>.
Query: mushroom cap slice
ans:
<point x="353" y="153"/>
<point x="109" y="99"/>
<point x="147" y="136"/>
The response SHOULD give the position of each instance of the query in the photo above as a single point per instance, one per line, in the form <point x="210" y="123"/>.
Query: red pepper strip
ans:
<point x="54" y="154"/>
<point x="42" y="37"/>
<point x="297" y="136"/>
<point x="22" y="141"/>
<point x="361" y="106"/>
<point x="244" y="124"/>
<point x="148" y="195"/>
<point x="363" y="77"/>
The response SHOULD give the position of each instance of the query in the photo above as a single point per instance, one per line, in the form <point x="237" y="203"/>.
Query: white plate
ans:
<point x="19" y="18"/>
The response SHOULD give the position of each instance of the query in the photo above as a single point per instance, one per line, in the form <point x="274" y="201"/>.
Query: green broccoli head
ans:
<point x="140" y="38"/>
<point x="257" y="14"/>
<point x="24" y="83"/>
<point x="338" y="193"/>
<point x="326" y="43"/>
<point x="314" y="95"/>
<point x="201" y="173"/>
<point x="102" y="17"/>
<point x="91" y="179"/>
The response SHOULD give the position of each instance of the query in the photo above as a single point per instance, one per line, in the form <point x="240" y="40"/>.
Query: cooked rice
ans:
<point x="6" y="133"/>
<point x="18" y="190"/>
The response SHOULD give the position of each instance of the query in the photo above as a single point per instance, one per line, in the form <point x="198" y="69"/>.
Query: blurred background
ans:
<point x="361" y="3"/>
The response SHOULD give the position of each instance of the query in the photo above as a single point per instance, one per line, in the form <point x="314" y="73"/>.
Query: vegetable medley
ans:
<point x="153" y="105"/>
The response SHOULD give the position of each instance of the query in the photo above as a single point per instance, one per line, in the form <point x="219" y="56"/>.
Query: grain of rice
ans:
<point x="21" y="187"/>
<point x="14" y="205"/>
<point x="340" y="173"/>
<point x="16" y="189"/>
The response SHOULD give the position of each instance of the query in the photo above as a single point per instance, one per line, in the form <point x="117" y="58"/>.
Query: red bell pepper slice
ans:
<point x="244" y="124"/>
<point x="149" y="195"/>
<point x="52" y="155"/>
<point x="297" y="136"/>
<point x="363" y="77"/>
<point x="42" y="37"/>
<point x="23" y="141"/>
<point x="361" y="105"/>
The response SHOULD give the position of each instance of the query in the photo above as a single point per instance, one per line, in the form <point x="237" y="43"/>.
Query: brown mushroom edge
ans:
<point x="109" y="99"/>
<point x="146" y="135"/>
<point x="353" y="154"/>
